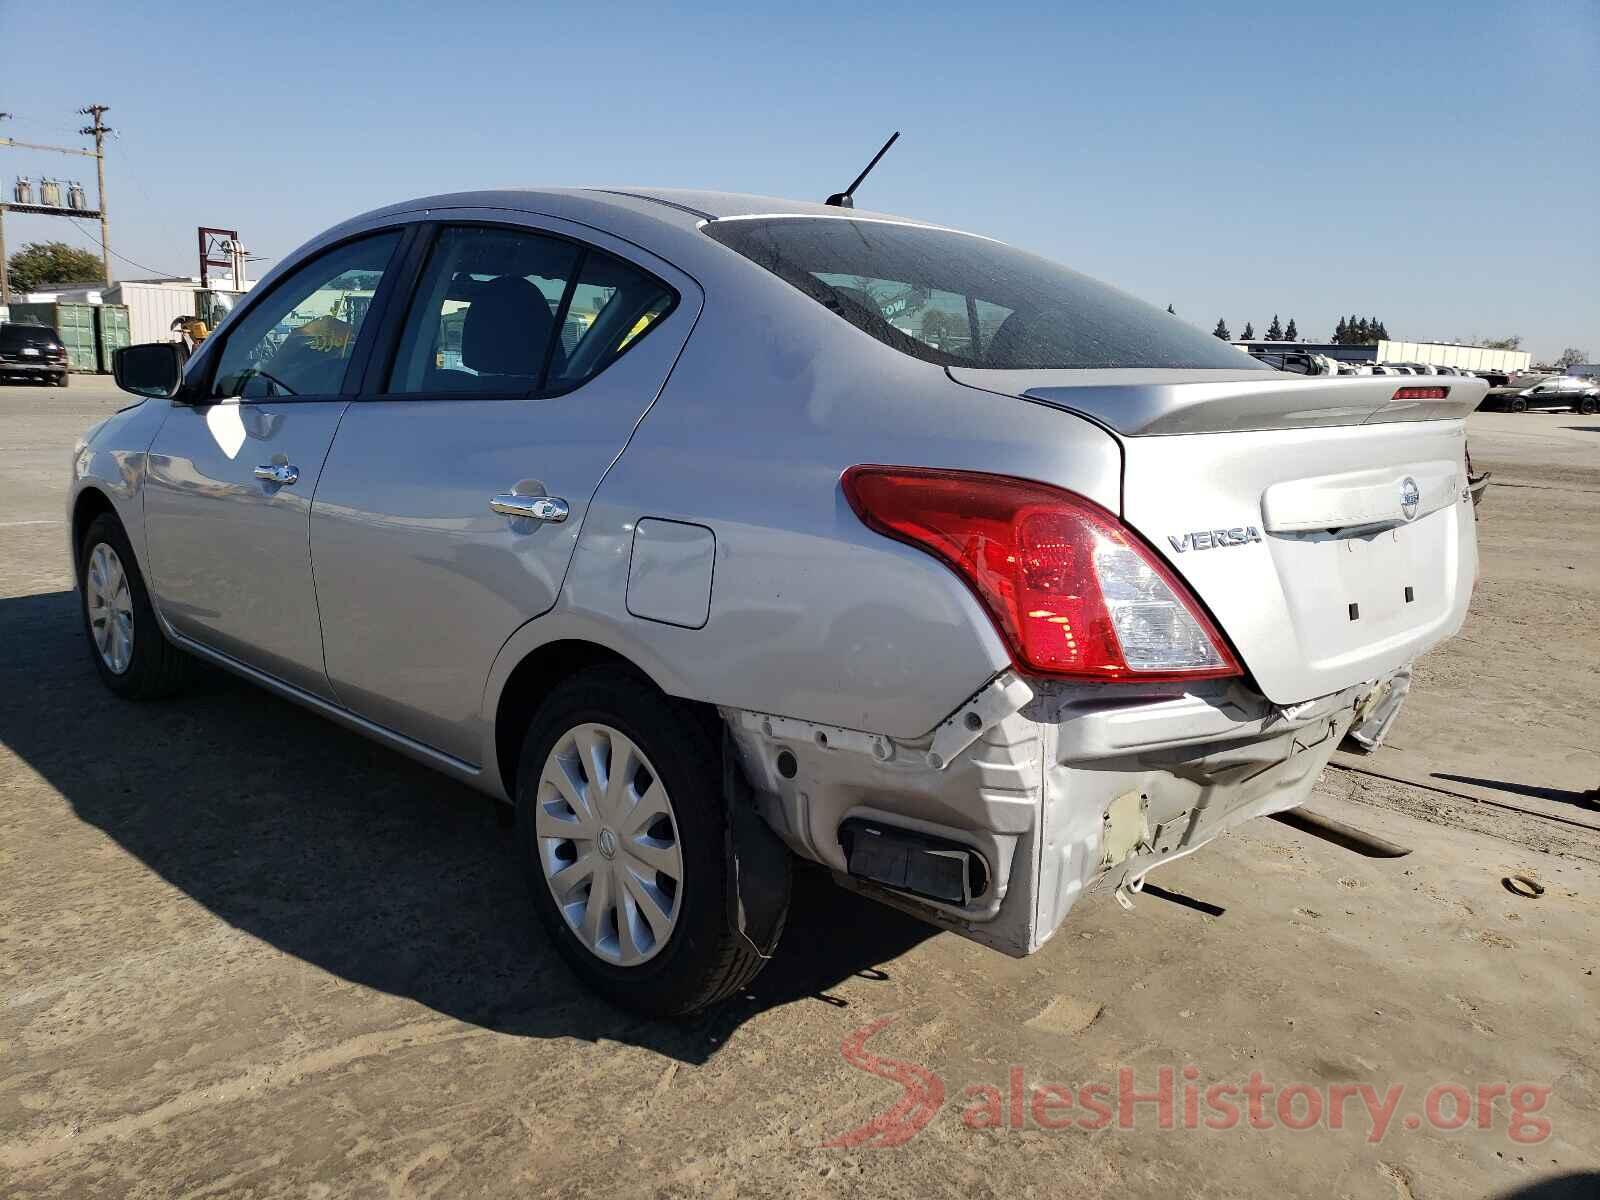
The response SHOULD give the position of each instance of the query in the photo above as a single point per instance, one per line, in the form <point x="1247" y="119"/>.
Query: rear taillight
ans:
<point x="1073" y="592"/>
<point x="1421" y="393"/>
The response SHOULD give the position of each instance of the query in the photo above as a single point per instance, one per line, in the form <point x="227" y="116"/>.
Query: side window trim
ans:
<point x="214" y="353"/>
<point x="562" y="311"/>
<point x="398" y="280"/>
<point x="411" y="262"/>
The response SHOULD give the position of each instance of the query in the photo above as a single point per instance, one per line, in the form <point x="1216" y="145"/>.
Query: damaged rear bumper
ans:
<point x="1033" y="791"/>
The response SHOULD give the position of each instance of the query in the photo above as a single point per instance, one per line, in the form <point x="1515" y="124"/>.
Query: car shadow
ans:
<point x="1583" y="428"/>
<point x="355" y="859"/>
<point x="1560" y="795"/>
<point x="1573" y="1185"/>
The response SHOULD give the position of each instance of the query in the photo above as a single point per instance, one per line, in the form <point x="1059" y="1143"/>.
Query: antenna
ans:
<point x="845" y="199"/>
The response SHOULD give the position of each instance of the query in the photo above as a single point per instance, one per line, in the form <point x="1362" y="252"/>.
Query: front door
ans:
<point x="233" y="473"/>
<point x="457" y="484"/>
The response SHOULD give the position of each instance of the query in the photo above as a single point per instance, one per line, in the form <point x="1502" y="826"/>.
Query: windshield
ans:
<point x="15" y="336"/>
<point x="964" y="301"/>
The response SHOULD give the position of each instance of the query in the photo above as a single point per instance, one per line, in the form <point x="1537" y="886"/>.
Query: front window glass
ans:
<point x="965" y="301"/>
<point x="298" y="341"/>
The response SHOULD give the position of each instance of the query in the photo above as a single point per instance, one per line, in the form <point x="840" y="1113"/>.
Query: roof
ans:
<point x="717" y="205"/>
<point x="680" y="207"/>
<point x="662" y="221"/>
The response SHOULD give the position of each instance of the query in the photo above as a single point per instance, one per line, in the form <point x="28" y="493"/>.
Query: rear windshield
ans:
<point x="964" y="301"/>
<point x="15" y="336"/>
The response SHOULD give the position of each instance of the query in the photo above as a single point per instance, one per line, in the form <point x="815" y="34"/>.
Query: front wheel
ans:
<point x="622" y="830"/>
<point x="1518" y="405"/>
<point x="1588" y="405"/>
<point x="131" y="654"/>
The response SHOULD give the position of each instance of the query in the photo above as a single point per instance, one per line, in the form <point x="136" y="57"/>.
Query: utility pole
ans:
<point x="98" y="131"/>
<point x="5" y="271"/>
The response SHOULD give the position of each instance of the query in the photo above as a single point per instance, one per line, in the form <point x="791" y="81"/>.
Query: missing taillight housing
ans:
<point x="1421" y="393"/>
<point x="1073" y="592"/>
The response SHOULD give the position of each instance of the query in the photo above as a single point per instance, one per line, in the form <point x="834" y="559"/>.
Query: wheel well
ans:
<point x="530" y="682"/>
<point x="90" y="504"/>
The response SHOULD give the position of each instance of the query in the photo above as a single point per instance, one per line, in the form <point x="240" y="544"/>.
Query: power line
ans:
<point x="153" y="270"/>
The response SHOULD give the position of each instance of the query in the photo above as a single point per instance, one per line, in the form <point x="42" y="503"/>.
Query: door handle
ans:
<point x="282" y="474"/>
<point x="540" y="508"/>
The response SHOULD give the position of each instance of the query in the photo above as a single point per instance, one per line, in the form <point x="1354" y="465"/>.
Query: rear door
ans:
<point x="233" y="470"/>
<point x="454" y="492"/>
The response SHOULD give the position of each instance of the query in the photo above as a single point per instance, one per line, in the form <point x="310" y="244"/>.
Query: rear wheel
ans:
<point x="131" y="654"/>
<point x="622" y="831"/>
<point x="61" y="379"/>
<point x="1588" y="405"/>
<point x="1517" y="404"/>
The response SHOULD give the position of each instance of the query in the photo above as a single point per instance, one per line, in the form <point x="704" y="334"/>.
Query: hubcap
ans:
<point x="110" y="605"/>
<point x="608" y="844"/>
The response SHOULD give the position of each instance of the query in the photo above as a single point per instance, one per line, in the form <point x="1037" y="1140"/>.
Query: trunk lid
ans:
<point x="1326" y="525"/>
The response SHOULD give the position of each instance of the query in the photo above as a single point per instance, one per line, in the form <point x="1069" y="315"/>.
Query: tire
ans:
<point x="1517" y="405"/>
<point x="61" y="379"/>
<point x="1587" y="406"/>
<point x="695" y="958"/>
<point x="153" y="667"/>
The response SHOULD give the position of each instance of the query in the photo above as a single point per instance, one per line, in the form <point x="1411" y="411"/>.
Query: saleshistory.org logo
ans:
<point x="1251" y="1103"/>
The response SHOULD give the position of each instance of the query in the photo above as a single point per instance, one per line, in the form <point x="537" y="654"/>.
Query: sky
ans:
<point x="1434" y="164"/>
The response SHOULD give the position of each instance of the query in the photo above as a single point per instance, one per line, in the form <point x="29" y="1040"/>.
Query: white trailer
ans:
<point x="1445" y="354"/>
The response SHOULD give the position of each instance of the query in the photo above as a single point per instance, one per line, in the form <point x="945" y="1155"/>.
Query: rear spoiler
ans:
<point x="1152" y="402"/>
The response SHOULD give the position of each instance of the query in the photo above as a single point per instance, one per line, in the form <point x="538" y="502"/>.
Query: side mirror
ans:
<point x="151" y="369"/>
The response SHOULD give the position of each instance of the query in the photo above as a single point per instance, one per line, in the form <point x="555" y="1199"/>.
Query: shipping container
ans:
<point x="152" y="307"/>
<point x="112" y="331"/>
<point x="74" y="322"/>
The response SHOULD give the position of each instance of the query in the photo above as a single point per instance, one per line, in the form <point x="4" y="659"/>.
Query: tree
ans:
<point x="1291" y="334"/>
<point x="937" y="326"/>
<point x="1571" y="357"/>
<point x="39" y="263"/>
<point x="1249" y="334"/>
<point x="1221" y="331"/>
<point x="1353" y="331"/>
<point x="1275" y="330"/>
<point x="1513" y="342"/>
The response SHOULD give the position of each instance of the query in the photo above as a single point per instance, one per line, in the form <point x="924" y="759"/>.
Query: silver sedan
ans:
<point x="708" y="531"/>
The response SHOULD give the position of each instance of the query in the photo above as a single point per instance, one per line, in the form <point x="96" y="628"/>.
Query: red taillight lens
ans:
<point x="1421" y="393"/>
<point x="1073" y="592"/>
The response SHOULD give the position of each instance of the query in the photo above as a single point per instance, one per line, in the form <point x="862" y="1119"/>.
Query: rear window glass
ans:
<point x="12" y="336"/>
<point x="964" y="301"/>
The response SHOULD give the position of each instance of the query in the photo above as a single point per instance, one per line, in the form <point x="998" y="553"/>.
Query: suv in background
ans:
<point x="1563" y="391"/>
<point x="35" y="351"/>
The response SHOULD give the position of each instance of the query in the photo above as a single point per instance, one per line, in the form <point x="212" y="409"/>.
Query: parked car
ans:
<point x="1296" y="362"/>
<point x="743" y="565"/>
<point x="1495" y="379"/>
<point x="33" y="352"/>
<point x="1560" y="391"/>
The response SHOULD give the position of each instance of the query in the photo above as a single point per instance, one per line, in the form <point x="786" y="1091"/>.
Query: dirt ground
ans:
<point x="244" y="953"/>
